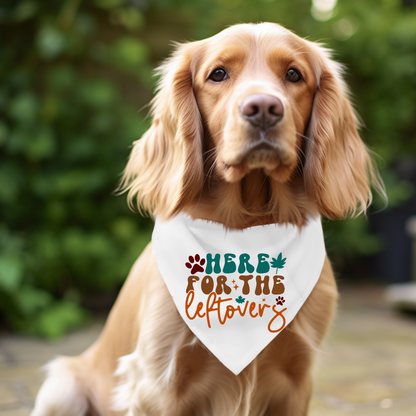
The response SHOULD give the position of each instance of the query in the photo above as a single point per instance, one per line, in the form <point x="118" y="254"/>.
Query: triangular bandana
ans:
<point x="237" y="290"/>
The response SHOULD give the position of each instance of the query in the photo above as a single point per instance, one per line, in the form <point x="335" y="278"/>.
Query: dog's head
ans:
<point x="254" y="106"/>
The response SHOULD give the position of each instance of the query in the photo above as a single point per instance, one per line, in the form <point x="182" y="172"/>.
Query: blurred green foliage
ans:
<point x="65" y="134"/>
<point x="73" y="75"/>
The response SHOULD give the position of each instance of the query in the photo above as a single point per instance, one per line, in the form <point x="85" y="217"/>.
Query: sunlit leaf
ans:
<point x="55" y="321"/>
<point x="11" y="273"/>
<point x="31" y="300"/>
<point x="97" y="93"/>
<point x="24" y="107"/>
<point x="41" y="144"/>
<point x="25" y="10"/>
<point x="50" y="42"/>
<point x="129" y="52"/>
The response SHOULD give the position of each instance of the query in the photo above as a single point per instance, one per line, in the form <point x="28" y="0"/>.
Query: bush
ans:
<point x="72" y="77"/>
<point x="65" y="136"/>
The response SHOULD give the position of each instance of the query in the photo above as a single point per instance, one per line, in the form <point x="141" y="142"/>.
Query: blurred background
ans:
<point x="75" y="77"/>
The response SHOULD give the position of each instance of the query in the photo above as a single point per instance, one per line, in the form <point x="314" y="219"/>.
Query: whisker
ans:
<point x="212" y="158"/>
<point x="209" y="159"/>
<point x="210" y="170"/>
<point x="300" y="165"/>
<point x="303" y="136"/>
<point x="209" y="151"/>
<point x="300" y="150"/>
<point x="209" y="175"/>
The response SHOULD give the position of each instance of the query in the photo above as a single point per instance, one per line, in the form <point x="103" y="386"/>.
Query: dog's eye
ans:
<point x="218" y="75"/>
<point x="293" y="75"/>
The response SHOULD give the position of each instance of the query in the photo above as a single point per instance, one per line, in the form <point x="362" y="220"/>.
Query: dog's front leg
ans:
<point x="296" y="403"/>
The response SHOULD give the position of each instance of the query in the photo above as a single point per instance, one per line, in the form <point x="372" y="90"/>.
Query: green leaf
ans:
<point x="97" y="93"/>
<point x="240" y="299"/>
<point x="18" y="140"/>
<point x="130" y="18"/>
<point x="61" y="77"/>
<point x="123" y="228"/>
<point x="129" y="53"/>
<point x="278" y="262"/>
<point x="67" y="183"/>
<point x="41" y="144"/>
<point x="11" y="273"/>
<point x="24" y="107"/>
<point x="3" y="133"/>
<point x="58" y="319"/>
<point x="85" y="24"/>
<point x="25" y="10"/>
<point x="30" y="300"/>
<point x="9" y="184"/>
<point x="50" y="42"/>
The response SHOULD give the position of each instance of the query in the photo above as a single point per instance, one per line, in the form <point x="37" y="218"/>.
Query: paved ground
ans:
<point x="368" y="365"/>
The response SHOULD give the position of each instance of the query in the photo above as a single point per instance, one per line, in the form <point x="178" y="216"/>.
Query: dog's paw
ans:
<point x="195" y="264"/>
<point x="280" y="300"/>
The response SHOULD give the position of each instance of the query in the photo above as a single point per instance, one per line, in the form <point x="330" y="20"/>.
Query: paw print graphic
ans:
<point x="280" y="300"/>
<point x="195" y="264"/>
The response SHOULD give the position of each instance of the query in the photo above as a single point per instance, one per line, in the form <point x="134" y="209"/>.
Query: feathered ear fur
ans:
<point x="339" y="171"/>
<point x="165" y="169"/>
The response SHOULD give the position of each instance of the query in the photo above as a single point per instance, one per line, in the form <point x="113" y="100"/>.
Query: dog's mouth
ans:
<point x="273" y="157"/>
<point x="264" y="154"/>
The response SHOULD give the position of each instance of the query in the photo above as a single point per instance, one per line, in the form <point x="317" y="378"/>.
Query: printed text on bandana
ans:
<point x="224" y="282"/>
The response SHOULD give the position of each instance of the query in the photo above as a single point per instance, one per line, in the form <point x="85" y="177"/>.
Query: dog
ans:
<point x="252" y="126"/>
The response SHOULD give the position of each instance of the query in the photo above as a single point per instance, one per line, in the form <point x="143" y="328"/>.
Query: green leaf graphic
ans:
<point x="278" y="262"/>
<point x="240" y="299"/>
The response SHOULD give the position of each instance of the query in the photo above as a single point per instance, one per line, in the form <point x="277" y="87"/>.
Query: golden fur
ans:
<point x="198" y="157"/>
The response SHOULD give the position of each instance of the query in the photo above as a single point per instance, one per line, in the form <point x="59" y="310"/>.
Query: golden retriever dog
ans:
<point x="252" y="126"/>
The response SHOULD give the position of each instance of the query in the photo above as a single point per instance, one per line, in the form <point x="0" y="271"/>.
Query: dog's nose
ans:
<point x="262" y="110"/>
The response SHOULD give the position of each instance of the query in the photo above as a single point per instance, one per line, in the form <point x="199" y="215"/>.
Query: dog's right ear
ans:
<point x="165" y="169"/>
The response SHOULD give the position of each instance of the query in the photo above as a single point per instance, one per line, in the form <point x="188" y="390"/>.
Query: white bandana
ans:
<point x="236" y="290"/>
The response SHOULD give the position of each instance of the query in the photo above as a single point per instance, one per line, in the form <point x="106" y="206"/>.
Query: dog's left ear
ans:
<point x="165" y="170"/>
<point x="339" y="171"/>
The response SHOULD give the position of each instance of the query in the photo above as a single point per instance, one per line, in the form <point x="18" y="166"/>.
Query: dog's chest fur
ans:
<point x="172" y="370"/>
